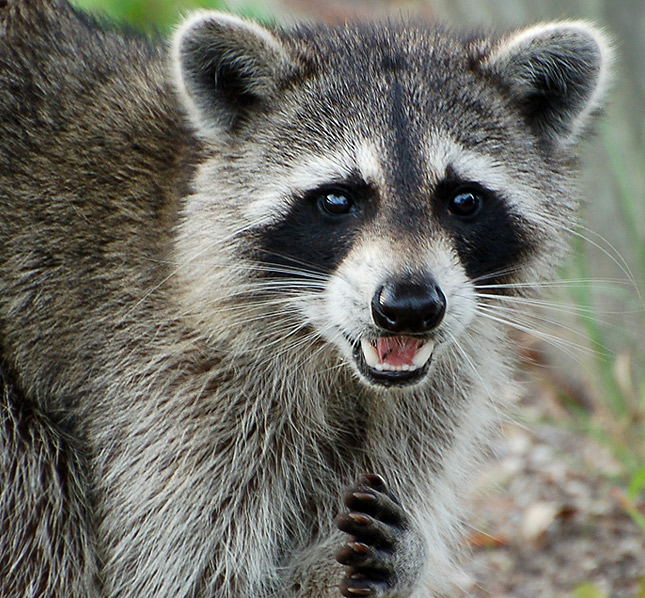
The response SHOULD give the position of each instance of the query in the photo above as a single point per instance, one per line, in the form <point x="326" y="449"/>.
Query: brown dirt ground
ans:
<point x="547" y="517"/>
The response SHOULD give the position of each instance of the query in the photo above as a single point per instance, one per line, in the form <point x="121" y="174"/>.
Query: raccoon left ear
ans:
<point x="557" y="74"/>
<point x="226" y="68"/>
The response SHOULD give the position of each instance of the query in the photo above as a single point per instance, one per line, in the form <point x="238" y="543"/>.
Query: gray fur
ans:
<point x="175" y="422"/>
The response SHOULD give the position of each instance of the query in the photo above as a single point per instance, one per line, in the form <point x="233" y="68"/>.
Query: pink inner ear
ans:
<point x="397" y="350"/>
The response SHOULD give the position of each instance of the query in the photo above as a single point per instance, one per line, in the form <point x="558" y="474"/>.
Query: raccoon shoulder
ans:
<point x="87" y="112"/>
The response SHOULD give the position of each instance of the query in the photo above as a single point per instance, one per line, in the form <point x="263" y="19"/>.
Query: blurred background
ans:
<point x="584" y="360"/>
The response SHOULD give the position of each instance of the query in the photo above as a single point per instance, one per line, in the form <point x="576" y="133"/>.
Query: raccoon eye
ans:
<point x="336" y="202"/>
<point x="466" y="203"/>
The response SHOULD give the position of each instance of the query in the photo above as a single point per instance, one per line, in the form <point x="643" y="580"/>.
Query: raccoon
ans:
<point x="255" y="290"/>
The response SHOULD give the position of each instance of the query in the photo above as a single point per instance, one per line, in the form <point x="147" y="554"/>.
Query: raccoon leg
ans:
<point x="46" y="544"/>
<point x="385" y="554"/>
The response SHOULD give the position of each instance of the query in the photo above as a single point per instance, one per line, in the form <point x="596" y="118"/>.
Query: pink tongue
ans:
<point x="397" y="350"/>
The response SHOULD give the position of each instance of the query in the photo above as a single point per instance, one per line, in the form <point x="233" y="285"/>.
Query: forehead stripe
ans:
<point x="406" y="174"/>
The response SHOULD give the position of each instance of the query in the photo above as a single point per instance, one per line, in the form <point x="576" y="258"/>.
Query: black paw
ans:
<point x="377" y="526"/>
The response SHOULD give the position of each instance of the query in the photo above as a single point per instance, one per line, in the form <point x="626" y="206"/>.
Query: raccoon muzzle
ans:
<point x="405" y="311"/>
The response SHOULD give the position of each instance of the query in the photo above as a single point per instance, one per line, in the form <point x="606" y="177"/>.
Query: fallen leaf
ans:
<point x="537" y="519"/>
<point x="483" y="540"/>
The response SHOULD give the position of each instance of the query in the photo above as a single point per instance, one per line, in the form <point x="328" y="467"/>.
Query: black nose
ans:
<point x="408" y="306"/>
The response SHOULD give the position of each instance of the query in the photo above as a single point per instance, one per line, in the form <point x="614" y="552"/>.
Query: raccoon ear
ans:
<point x="557" y="74"/>
<point x="225" y="68"/>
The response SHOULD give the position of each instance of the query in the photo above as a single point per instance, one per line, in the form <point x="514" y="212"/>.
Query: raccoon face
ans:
<point x="397" y="267"/>
<point x="379" y="175"/>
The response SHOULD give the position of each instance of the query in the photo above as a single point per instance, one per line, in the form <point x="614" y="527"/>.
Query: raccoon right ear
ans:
<point x="557" y="75"/>
<point x="225" y="68"/>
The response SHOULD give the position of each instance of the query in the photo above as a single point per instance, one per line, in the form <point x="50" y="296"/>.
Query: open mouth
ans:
<point x="394" y="360"/>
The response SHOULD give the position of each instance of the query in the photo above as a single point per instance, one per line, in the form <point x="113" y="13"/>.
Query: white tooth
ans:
<point x="372" y="360"/>
<point x="422" y="356"/>
<point x="370" y="354"/>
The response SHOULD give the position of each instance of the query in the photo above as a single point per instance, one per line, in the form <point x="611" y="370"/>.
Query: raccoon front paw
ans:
<point x="384" y="556"/>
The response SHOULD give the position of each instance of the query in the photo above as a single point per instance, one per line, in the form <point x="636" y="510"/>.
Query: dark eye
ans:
<point x="336" y="202"/>
<point x="466" y="203"/>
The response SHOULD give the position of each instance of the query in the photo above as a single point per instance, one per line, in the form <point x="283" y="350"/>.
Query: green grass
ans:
<point x="588" y="590"/>
<point x="615" y="370"/>
<point x="162" y="15"/>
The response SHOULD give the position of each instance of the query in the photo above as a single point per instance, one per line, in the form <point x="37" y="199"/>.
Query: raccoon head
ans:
<point x="368" y="181"/>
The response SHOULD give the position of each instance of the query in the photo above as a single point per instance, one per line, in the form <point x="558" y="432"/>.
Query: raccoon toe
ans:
<point x="357" y="585"/>
<point x="363" y="558"/>
<point x="374" y="515"/>
<point x="382" y="544"/>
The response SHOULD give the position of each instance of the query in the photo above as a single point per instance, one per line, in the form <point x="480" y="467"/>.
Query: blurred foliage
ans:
<point x="147" y="15"/>
<point x="161" y="15"/>
<point x="588" y="591"/>
<point x="616" y="373"/>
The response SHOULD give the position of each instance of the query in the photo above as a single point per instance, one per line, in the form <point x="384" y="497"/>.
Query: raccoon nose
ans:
<point x="408" y="307"/>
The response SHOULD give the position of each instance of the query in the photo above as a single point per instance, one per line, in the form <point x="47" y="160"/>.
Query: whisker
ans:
<point x="495" y="274"/>
<point x="254" y="301"/>
<point x="455" y="342"/>
<point x="282" y="269"/>
<point x="560" y="307"/>
<point x="262" y="295"/>
<point x="528" y="318"/>
<point x="565" y="282"/>
<point x="179" y="266"/>
<point x="559" y="343"/>
<point x="289" y="347"/>
<point x="614" y="255"/>
<point x="279" y="283"/>
<point x="300" y="262"/>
